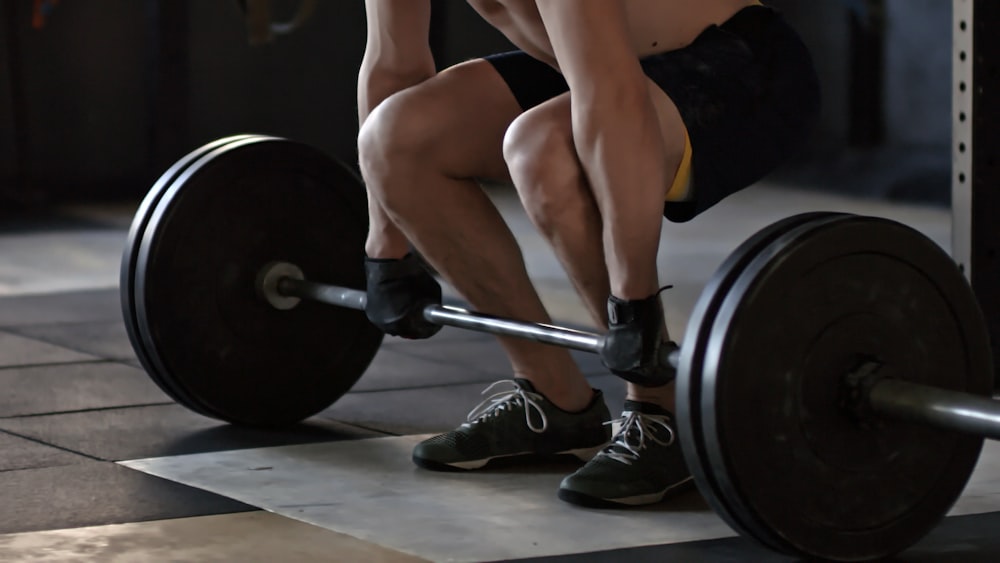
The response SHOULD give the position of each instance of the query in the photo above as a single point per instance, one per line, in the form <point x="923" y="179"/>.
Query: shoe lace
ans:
<point x="508" y="400"/>
<point x="631" y="439"/>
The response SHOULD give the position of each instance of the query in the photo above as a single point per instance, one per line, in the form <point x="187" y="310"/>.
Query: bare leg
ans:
<point x="419" y="151"/>
<point x="544" y="165"/>
<point x="552" y="186"/>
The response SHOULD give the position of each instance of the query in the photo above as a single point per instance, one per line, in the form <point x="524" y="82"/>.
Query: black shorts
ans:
<point x="746" y="90"/>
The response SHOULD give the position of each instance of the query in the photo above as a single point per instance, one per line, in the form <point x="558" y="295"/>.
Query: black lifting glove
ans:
<point x="398" y="292"/>
<point x="633" y="347"/>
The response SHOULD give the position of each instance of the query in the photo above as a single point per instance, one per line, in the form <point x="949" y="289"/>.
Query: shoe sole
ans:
<point x="590" y="501"/>
<point x="583" y="454"/>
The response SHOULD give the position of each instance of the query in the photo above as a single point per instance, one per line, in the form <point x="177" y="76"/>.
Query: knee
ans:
<point x="545" y="170"/>
<point x="395" y="137"/>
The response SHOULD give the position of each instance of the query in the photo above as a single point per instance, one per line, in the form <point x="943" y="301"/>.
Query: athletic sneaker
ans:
<point x="642" y="465"/>
<point x="517" y="421"/>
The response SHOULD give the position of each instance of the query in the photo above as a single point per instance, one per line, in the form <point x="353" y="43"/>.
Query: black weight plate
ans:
<point x="795" y="470"/>
<point x="688" y="403"/>
<point x="221" y="349"/>
<point x="138" y="226"/>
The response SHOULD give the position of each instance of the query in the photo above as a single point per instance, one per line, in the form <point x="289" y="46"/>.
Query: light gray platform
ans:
<point x="370" y="489"/>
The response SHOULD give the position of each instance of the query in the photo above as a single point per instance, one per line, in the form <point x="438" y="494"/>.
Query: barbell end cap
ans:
<point x="269" y="284"/>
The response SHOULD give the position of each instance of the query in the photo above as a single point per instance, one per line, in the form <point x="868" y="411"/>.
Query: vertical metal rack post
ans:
<point x="976" y="150"/>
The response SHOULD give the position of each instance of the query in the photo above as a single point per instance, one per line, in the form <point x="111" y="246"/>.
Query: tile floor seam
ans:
<point x="55" y="446"/>
<point x="84" y="411"/>
<point x="95" y="361"/>
<point x="37" y="467"/>
<point x="71" y="347"/>
<point x="360" y="426"/>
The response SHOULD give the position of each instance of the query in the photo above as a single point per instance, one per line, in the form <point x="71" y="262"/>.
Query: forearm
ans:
<point x="617" y="136"/>
<point x="622" y="153"/>
<point x="614" y="121"/>
<point x="616" y="133"/>
<point x="376" y="82"/>
<point x="397" y="53"/>
<point x="397" y="57"/>
<point x="375" y="85"/>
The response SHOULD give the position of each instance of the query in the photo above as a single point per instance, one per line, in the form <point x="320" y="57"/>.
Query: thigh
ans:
<point x="547" y="129"/>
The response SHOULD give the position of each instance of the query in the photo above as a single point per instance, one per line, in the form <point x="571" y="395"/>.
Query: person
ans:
<point x="612" y="115"/>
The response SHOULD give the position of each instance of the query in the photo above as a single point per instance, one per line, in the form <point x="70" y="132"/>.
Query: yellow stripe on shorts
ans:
<point x="681" y="186"/>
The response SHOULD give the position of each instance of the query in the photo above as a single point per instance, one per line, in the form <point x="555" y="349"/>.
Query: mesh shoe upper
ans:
<point x="516" y="420"/>
<point x="643" y="464"/>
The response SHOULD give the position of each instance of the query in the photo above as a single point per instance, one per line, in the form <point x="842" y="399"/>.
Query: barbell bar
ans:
<point x="443" y="315"/>
<point x="807" y="357"/>
<point x="962" y="412"/>
<point x="923" y="404"/>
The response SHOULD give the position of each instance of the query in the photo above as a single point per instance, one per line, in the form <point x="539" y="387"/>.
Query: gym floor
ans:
<point x="99" y="465"/>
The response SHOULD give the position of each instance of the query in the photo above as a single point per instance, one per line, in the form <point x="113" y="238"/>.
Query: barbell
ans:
<point x="833" y="383"/>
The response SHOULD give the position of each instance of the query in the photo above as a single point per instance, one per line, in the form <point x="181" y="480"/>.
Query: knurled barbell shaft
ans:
<point x="940" y="408"/>
<point x="446" y="315"/>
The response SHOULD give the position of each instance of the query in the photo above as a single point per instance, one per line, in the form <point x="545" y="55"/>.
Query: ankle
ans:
<point x="633" y="290"/>
<point x="577" y="404"/>
<point x="663" y="397"/>
<point x="567" y="398"/>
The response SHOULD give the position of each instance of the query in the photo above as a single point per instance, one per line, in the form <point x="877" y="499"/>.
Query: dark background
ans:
<point x="99" y="101"/>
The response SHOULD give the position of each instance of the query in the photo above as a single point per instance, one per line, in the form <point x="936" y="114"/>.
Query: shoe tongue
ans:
<point x="634" y="433"/>
<point x="647" y="408"/>
<point x="525" y="384"/>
